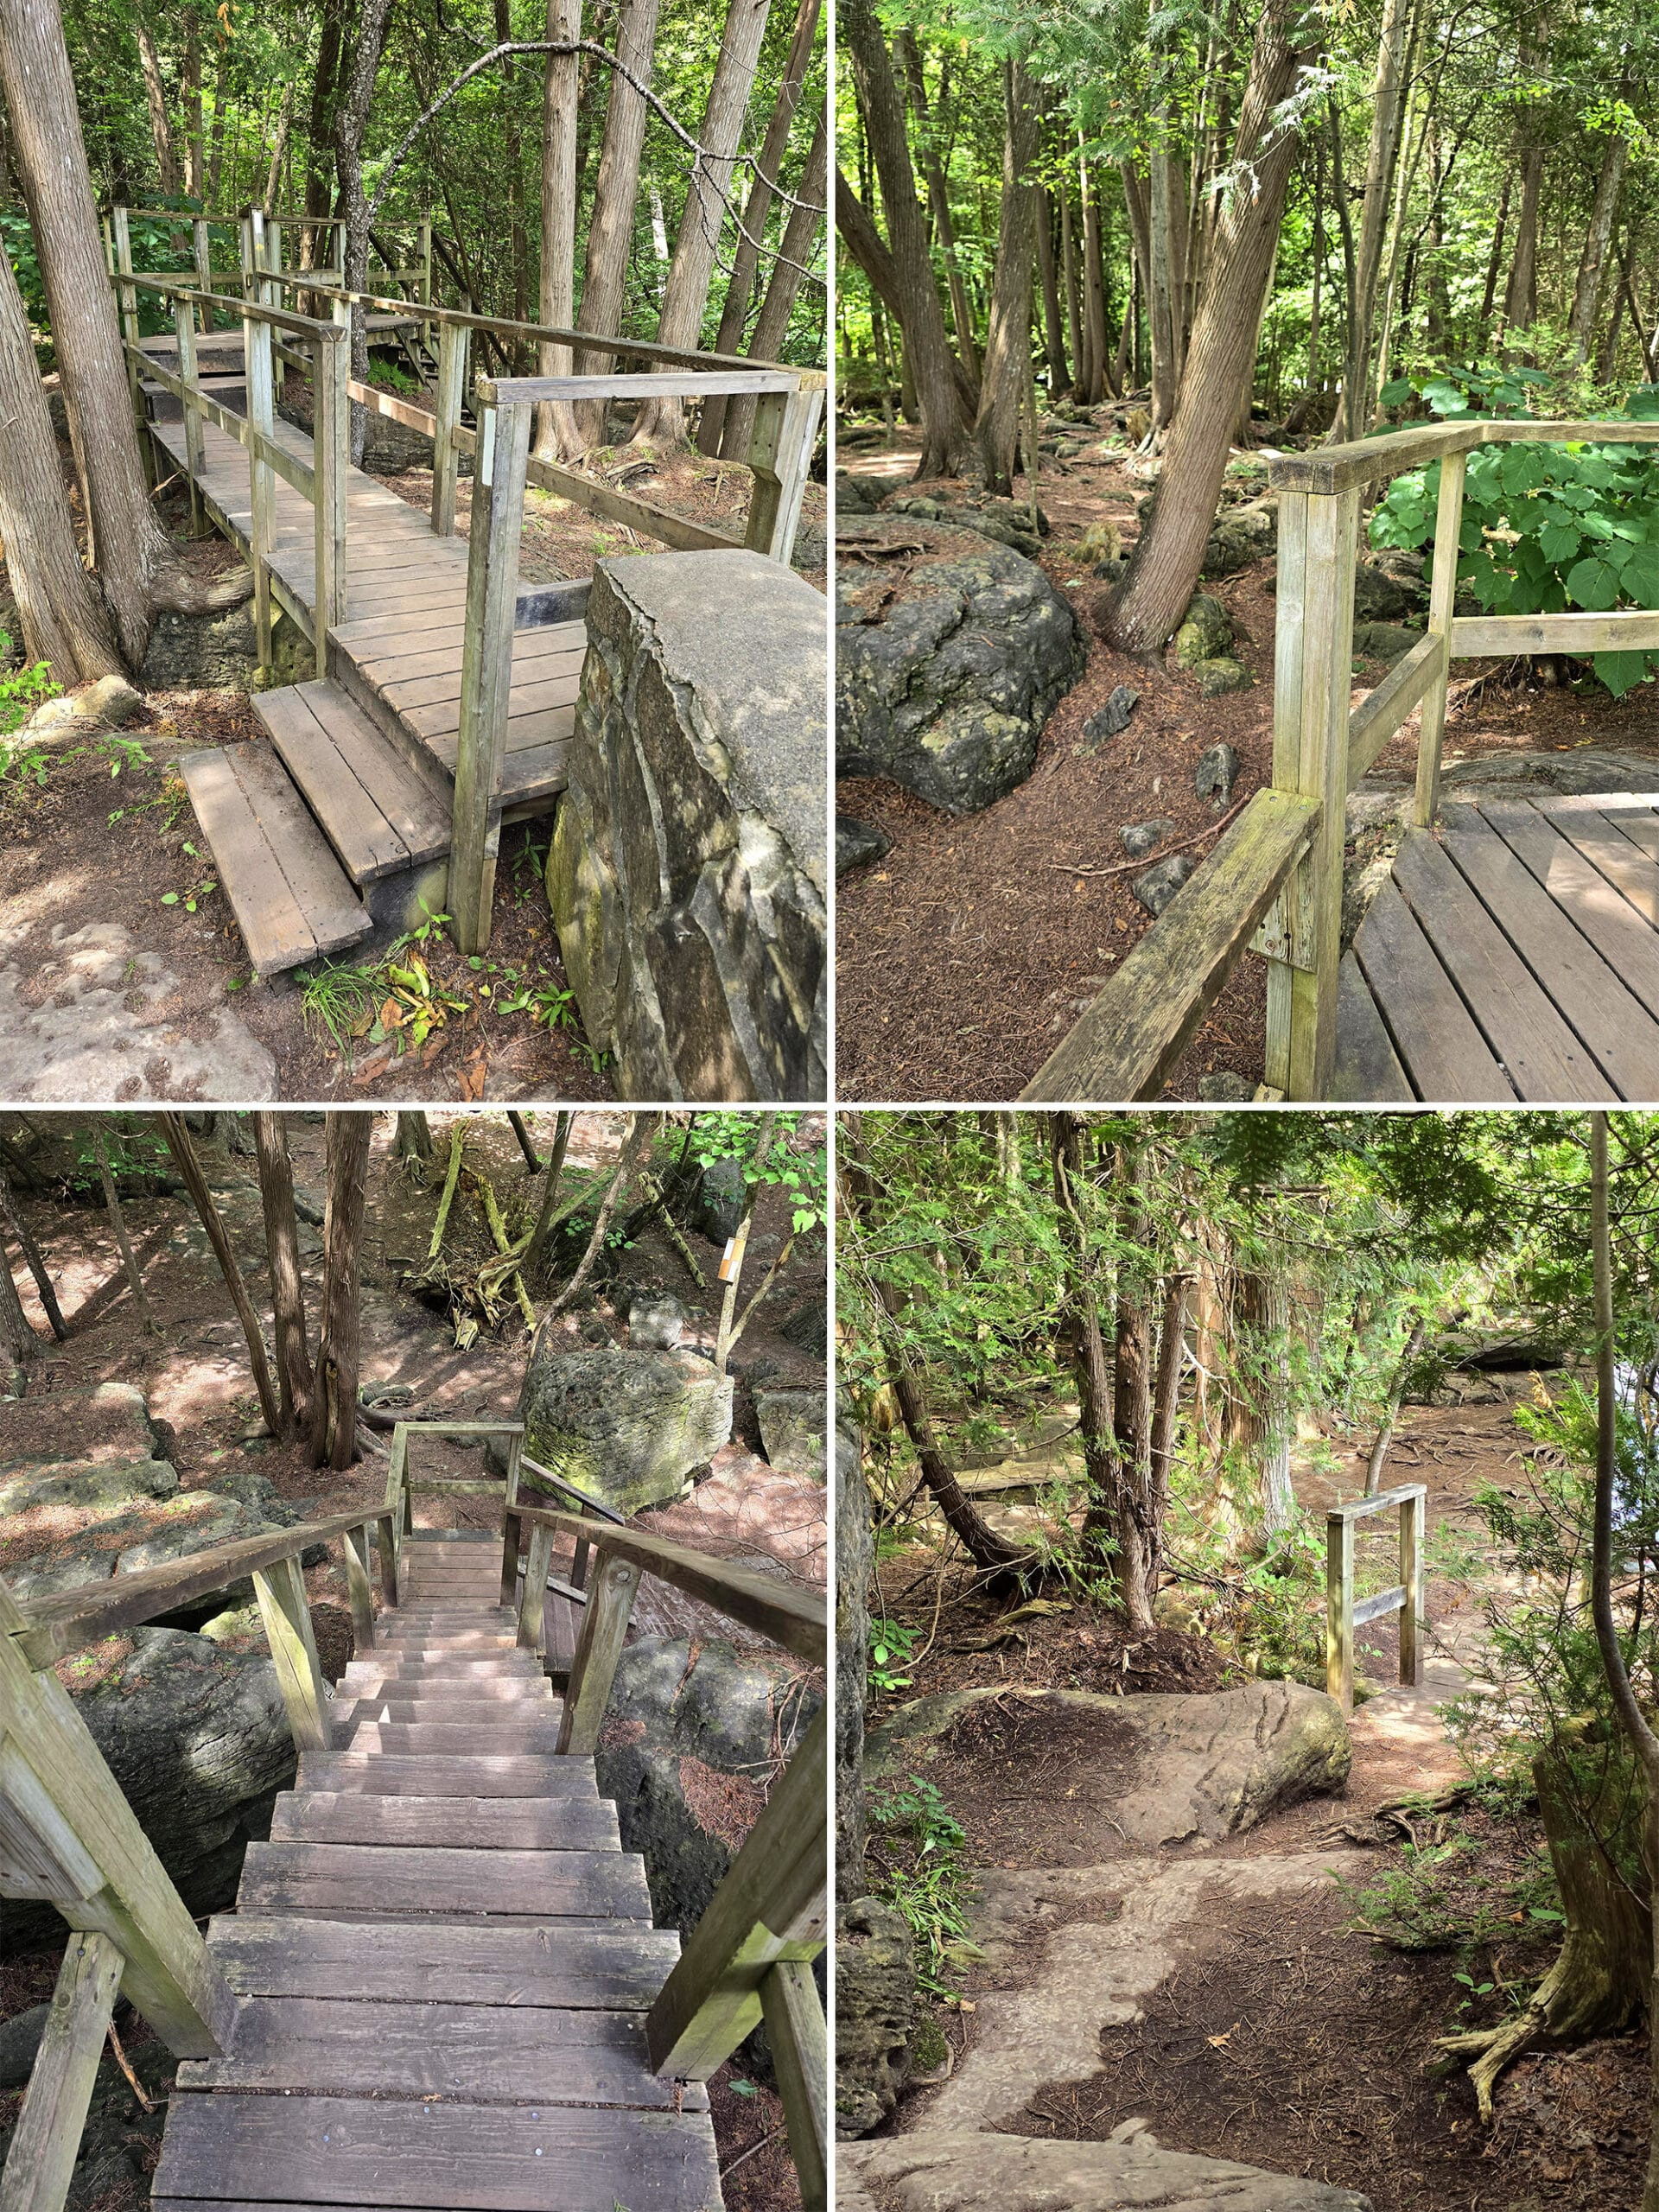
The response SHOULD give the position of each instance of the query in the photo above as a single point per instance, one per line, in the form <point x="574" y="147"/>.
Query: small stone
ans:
<point x="1140" y="838"/>
<point x="1225" y="1087"/>
<point x="1215" y="774"/>
<point x="858" y="844"/>
<point x="655" y="1322"/>
<point x="1206" y="632"/>
<point x="1380" y="597"/>
<point x="1158" y="884"/>
<point x="1113" y="718"/>
<point x="1222" y="675"/>
<point x="112" y="700"/>
<point x="1383" y="641"/>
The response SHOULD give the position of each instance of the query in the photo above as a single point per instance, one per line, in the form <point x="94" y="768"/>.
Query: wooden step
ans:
<point x="383" y="1774"/>
<point x="372" y="1878"/>
<point x="526" y="1688"/>
<point x="233" y="2148"/>
<point x="552" y="1963"/>
<point x="507" y="1674"/>
<point x="291" y="900"/>
<point x="516" y="1739"/>
<point x="378" y="813"/>
<point x="441" y="2049"/>
<point x="430" y="1823"/>
<point x="495" y="1718"/>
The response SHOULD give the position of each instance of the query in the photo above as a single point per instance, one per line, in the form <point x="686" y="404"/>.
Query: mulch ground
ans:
<point x="965" y="954"/>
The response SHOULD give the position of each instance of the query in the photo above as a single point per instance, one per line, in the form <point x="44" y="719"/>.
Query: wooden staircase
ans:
<point x="442" y="1956"/>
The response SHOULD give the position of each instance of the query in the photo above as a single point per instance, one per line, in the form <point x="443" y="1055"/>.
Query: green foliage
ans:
<point x="891" y="1646"/>
<point x="1435" y="1897"/>
<point x="22" y="689"/>
<point x="800" y="1171"/>
<point x="917" y="1843"/>
<point x="1545" y="528"/>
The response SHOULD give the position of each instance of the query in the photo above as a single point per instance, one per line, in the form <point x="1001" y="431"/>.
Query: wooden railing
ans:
<point x="260" y="243"/>
<point x="1343" y="1616"/>
<point x="1275" y="881"/>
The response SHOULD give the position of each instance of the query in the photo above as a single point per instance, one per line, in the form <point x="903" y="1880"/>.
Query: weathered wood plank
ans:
<point x="1367" y="1070"/>
<point x="1634" y="629"/>
<point x="367" y="1877"/>
<point x="1444" y="1052"/>
<point x="1380" y="712"/>
<point x="609" y="1602"/>
<point x="1351" y="467"/>
<point x="1442" y="598"/>
<point x="46" y="2141"/>
<point x="800" y="2048"/>
<point x="404" y="1774"/>
<point x="1597" y="907"/>
<point x="564" y="1824"/>
<point x="286" y="1612"/>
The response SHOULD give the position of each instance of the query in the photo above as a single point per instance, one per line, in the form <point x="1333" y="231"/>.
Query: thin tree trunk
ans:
<point x="610" y="229"/>
<point x="1069" y="285"/>
<point x="333" y="1421"/>
<point x="938" y="203"/>
<point x="17" y="1336"/>
<point x="11" y="1223"/>
<point x="1048" y="272"/>
<point x="294" y="1376"/>
<point x="1007" y="344"/>
<point x="863" y="242"/>
<point x="636" y="1145"/>
<point x="733" y="1266"/>
<point x="544" y="1219"/>
<point x="279" y="149"/>
<point x="1101" y="379"/>
<point x="745" y="258"/>
<point x="1170" y="554"/>
<point x="557" y="434"/>
<point x="1520" y="296"/>
<point x="161" y="131"/>
<point x="184" y="1156"/>
<point x="1389" y="93"/>
<point x="772" y="326"/>
<point x="119" y="1224"/>
<point x="1385" y="1432"/>
<point x="1136" y="1566"/>
<point x="662" y="422"/>
<point x="325" y="87"/>
<point x="413" y="1138"/>
<point x="1586" y="292"/>
<point x="190" y="101"/>
<point x="1495" y="261"/>
<point x="350" y="124"/>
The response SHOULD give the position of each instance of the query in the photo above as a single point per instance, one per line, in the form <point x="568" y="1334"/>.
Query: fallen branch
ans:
<point x="447" y="1199"/>
<point x="653" y="1191"/>
<point x="1150" y="860"/>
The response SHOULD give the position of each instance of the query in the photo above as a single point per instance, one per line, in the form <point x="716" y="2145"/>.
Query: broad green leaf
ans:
<point x="1594" y="586"/>
<point x="1620" y="672"/>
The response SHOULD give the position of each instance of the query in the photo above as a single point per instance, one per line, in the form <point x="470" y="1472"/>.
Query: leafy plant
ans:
<point x="191" y="898"/>
<point x="924" y="1879"/>
<point x="891" y="1646"/>
<point x="1545" y="528"/>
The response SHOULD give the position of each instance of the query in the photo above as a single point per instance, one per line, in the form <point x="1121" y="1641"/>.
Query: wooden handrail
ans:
<point x="1343" y="1616"/>
<point x="663" y="383"/>
<point x="297" y="326"/>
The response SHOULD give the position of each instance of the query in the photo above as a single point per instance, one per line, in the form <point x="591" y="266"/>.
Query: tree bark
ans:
<point x="1385" y="1428"/>
<point x="1080" y="1315"/>
<point x="333" y="1421"/>
<point x="190" y="102"/>
<point x="11" y="1222"/>
<point x="325" y="87"/>
<point x="189" y="1167"/>
<point x="1070" y="286"/>
<point x="414" y="1137"/>
<point x="772" y="326"/>
<point x="1169" y="558"/>
<point x="294" y="1376"/>
<point x="554" y="1172"/>
<point x="17" y="1336"/>
<point x="938" y="203"/>
<point x="1007" y="344"/>
<point x="945" y="437"/>
<point x="745" y="258"/>
<point x="64" y="622"/>
<point x="1586" y="292"/>
<point x="278" y="150"/>
<point x="1389" y="92"/>
<point x="636" y="1147"/>
<point x="610" y="229"/>
<point x="118" y="1226"/>
<point x="556" y="434"/>
<point x="662" y="422"/>
<point x="351" y="122"/>
<point x="161" y="131"/>
<point x="1054" y="327"/>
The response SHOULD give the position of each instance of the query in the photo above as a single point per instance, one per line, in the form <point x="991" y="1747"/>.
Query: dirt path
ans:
<point x="963" y="955"/>
<point x="1227" y="1999"/>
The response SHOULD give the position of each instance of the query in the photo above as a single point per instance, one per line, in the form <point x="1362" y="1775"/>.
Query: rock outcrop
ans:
<point x="689" y="867"/>
<point x="629" y="1427"/>
<point x="876" y="2013"/>
<point x="948" y="660"/>
<point x="967" y="2173"/>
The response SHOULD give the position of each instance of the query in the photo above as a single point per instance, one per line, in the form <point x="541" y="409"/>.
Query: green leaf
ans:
<point x="1397" y="391"/>
<point x="1594" y="586"/>
<point x="1558" y="541"/>
<point x="169" y="898"/>
<point x="1620" y="672"/>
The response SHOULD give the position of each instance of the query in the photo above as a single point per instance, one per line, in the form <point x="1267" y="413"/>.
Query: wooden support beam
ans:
<point x="1443" y="591"/>
<point x="487" y="668"/>
<point x="46" y="2142"/>
<point x="262" y="481"/>
<point x="331" y="455"/>
<point x="286" y="1612"/>
<point x="1380" y="714"/>
<point x="610" y="1595"/>
<point x="184" y="326"/>
<point x="532" y="1603"/>
<point x="354" y="1544"/>
<point x="512" y="1527"/>
<point x="1413" y="1507"/>
<point x="780" y="457"/>
<point x="800" y="2057"/>
<point x="1631" y="629"/>
<point x="1339" y="1609"/>
<point x="386" y="1533"/>
<point x="451" y="393"/>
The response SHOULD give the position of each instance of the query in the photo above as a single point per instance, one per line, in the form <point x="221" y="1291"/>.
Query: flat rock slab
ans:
<point x="93" y="1021"/>
<point x="1203" y="1766"/>
<point x="1012" y="2173"/>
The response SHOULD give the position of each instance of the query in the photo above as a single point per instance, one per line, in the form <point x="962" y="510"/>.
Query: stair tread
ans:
<point x="379" y="814"/>
<point x="386" y="1879"/>
<point x="567" y="1823"/>
<point x="293" y="902"/>
<point x="438" y="1774"/>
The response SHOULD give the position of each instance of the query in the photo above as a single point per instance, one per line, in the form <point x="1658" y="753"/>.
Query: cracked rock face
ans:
<point x="949" y="661"/>
<point x="1012" y="2173"/>
<point x="689" y="865"/>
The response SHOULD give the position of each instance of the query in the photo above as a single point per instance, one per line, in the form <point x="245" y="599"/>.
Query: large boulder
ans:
<point x="1206" y="632"/>
<point x="1008" y="522"/>
<point x="689" y="863"/>
<point x="1206" y="1765"/>
<point x="948" y="662"/>
<point x="968" y="2171"/>
<point x="1241" y="535"/>
<point x="876" y="2013"/>
<point x="792" y="1424"/>
<point x="631" y="1428"/>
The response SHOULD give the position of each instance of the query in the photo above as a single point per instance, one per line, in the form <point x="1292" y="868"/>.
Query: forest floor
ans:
<point x="962" y="957"/>
<point x="195" y="1375"/>
<point x="1285" y="2031"/>
<point x="100" y="835"/>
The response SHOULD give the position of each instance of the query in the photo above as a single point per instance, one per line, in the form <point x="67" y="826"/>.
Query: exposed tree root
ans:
<point x="175" y="590"/>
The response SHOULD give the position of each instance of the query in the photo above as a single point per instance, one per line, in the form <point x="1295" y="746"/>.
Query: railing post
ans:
<point x="611" y="1589"/>
<point x="780" y="455"/>
<point x="397" y="1515"/>
<point x="1411" y="1581"/>
<point x="184" y="323"/>
<point x="512" y="1526"/>
<point x="426" y="274"/>
<point x="280" y="1589"/>
<point x="1442" y="596"/>
<point x="249" y="256"/>
<point x="121" y="234"/>
<point x="452" y="390"/>
<point x="41" y="2161"/>
<point x="1339" y="1609"/>
<point x="331" y="458"/>
<point x="355" y="1546"/>
<point x="386" y="1543"/>
<point x="538" y="1564"/>
<point x="487" y="664"/>
<point x="262" y="478"/>
<point x="204" y="259"/>
<point x="69" y="1837"/>
<point x="800" y="2057"/>
<point x="1312" y="682"/>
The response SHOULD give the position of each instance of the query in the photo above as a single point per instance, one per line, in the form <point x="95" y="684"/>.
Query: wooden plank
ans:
<point x="1543" y="1058"/>
<point x="610" y="1595"/>
<point x="1443" y="1054"/>
<point x="286" y="1612"/>
<point x="1413" y="1514"/>
<point x="1382" y="1501"/>
<point x="46" y="2141"/>
<point x="1595" y="905"/>
<point x="1627" y="861"/>
<point x="1380" y="712"/>
<point x="365" y="840"/>
<point x="1442" y="598"/>
<point x="1523" y="430"/>
<point x="1276" y="941"/>
<point x="476" y="1823"/>
<point x="1367" y="1070"/>
<point x="485" y="2159"/>
<point x="369" y="1877"/>
<point x="437" y="2049"/>
<point x="354" y="1545"/>
<point x="1375" y="1608"/>
<point x="492" y="590"/>
<point x="1339" y="1610"/>
<point x="1633" y="630"/>
<point x="427" y="679"/>
<point x="1138" y="1027"/>
<point x="390" y="1774"/>
<point x="670" y="384"/>
<point x="334" y="916"/>
<point x="800" y="2051"/>
<point x="403" y="798"/>
<point x="274" y="925"/>
<point x="1369" y="460"/>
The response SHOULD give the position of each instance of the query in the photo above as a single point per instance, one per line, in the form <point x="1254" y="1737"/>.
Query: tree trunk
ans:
<point x="636" y="1145"/>
<point x="189" y="1167"/>
<point x="1169" y="558"/>
<point x="1164" y="293"/>
<point x="325" y="87"/>
<point x="556" y="434"/>
<point x="1587" y="293"/>
<point x="610" y="229"/>
<point x="1081" y="1322"/>
<point x="11" y="1223"/>
<point x="118" y="1226"/>
<point x="945" y="436"/>
<point x="1070" y="286"/>
<point x="294" y="1376"/>
<point x="1495" y="261"/>
<point x="772" y="327"/>
<point x="161" y="131"/>
<point x="745" y="258"/>
<point x="278" y="150"/>
<point x="1385" y="1428"/>
<point x="351" y="122"/>
<point x="863" y="242"/>
<point x="662" y="422"/>
<point x="1387" y="112"/>
<point x="334" y="1423"/>
<point x="64" y="622"/>
<point x="1139" y="1536"/>
<point x="1258" y="1424"/>
<point x="190" y="102"/>
<point x="1048" y="271"/>
<point x="1007" y="343"/>
<point x="414" y="1137"/>
<point x="544" y="1219"/>
<point x="1521" y="295"/>
<point x="17" y="1337"/>
<point x="938" y="203"/>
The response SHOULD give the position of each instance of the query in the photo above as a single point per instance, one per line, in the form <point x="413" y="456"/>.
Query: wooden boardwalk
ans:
<point x="442" y="1955"/>
<point x="353" y="786"/>
<point x="1516" y="956"/>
